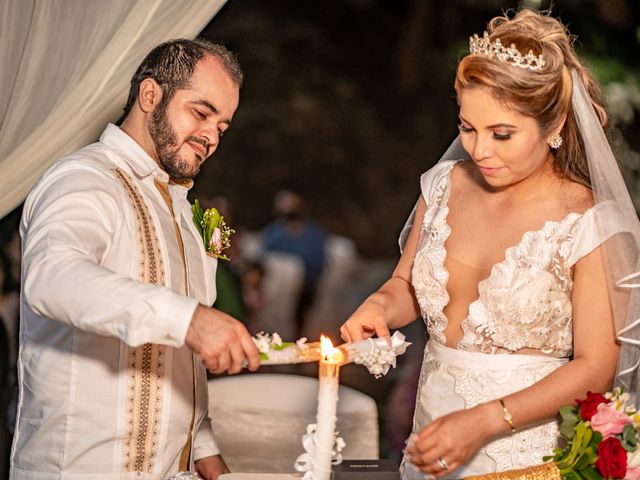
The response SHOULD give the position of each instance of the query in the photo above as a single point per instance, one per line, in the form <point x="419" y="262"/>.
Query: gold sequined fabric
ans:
<point x="546" y="471"/>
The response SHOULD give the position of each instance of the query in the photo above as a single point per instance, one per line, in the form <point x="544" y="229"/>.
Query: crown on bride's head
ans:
<point x="483" y="46"/>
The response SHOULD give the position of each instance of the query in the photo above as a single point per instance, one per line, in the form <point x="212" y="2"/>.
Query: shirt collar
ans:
<point x="134" y="155"/>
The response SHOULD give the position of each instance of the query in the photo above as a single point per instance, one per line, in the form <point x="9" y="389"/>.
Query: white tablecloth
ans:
<point x="260" y="476"/>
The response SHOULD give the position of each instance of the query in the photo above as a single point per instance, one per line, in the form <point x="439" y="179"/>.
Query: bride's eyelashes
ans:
<point x="498" y="136"/>
<point x="464" y="128"/>
<point x="501" y="136"/>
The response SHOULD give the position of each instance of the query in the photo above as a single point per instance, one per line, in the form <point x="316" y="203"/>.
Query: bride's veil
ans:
<point x="621" y="251"/>
<point x="455" y="151"/>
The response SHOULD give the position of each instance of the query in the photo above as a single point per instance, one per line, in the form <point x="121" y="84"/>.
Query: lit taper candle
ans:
<point x="330" y="362"/>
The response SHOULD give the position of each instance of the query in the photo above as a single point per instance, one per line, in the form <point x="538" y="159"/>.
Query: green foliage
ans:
<point x="570" y="418"/>
<point x="283" y="346"/>
<point x="629" y="441"/>
<point x="576" y="461"/>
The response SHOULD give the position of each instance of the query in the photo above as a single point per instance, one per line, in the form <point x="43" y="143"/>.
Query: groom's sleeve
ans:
<point x="204" y="443"/>
<point x="72" y="220"/>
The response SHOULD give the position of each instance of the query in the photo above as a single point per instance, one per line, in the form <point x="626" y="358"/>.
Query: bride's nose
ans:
<point x="482" y="147"/>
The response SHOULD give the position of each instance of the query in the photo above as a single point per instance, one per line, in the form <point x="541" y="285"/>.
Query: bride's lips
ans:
<point x="488" y="170"/>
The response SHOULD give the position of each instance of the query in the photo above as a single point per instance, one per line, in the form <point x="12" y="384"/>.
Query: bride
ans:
<point x="511" y="258"/>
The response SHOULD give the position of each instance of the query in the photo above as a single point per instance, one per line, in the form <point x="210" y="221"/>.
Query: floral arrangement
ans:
<point x="602" y="439"/>
<point x="215" y="233"/>
<point x="268" y="343"/>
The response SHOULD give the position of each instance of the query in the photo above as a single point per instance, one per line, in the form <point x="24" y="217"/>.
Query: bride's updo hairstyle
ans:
<point x="542" y="93"/>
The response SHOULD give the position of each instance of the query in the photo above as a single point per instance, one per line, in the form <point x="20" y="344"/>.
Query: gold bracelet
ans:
<point x="507" y="416"/>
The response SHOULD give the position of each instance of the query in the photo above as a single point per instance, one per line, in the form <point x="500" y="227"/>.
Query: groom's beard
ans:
<point x="165" y="140"/>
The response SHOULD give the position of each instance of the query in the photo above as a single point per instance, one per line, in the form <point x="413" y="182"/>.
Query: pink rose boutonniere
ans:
<point x="215" y="233"/>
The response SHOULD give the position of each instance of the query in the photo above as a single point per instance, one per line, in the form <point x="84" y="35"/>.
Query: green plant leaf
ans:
<point x="283" y="346"/>
<point x="629" y="441"/>
<point x="570" y="418"/>
<point x="590" y="473"/>
<point x="571" y="475"/>
<point x="264" y="356"/>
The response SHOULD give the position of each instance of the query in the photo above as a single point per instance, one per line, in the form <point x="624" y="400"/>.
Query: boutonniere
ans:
<point x="215" y="233"/>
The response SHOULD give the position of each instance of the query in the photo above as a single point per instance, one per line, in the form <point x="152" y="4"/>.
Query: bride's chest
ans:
<point x="522" y="279"/>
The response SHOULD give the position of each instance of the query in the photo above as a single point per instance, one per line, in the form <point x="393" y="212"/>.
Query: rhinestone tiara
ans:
<point x="483" y="46"/>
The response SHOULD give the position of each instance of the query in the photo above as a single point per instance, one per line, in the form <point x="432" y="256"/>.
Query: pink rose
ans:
<point x="608" y="420"/>
<point x="632" y="474"/>
<point x="633" y="465"/>
<point x="216" y="240"/>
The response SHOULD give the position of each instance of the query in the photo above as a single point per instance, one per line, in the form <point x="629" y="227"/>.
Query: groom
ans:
<point x="116" y="332"/>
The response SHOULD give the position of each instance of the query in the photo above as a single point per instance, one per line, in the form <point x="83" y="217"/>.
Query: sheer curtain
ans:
<point x="66" y="66"/>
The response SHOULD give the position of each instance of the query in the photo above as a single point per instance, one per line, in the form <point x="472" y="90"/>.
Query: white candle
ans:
<point x="329" y="372"/>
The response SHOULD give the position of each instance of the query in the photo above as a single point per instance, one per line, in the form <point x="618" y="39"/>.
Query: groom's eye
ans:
<point x="199" y="114"/>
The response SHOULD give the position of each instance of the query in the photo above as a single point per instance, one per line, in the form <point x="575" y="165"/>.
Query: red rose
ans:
<point x="612" y="458"/>
<point x="589" y="407"/>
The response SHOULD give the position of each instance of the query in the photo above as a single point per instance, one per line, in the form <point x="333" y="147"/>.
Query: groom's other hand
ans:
<point x="222" y="342"/>
<point x="210" y="468"/>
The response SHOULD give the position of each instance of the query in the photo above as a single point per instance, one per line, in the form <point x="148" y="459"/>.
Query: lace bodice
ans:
<point x="525" y="303"/>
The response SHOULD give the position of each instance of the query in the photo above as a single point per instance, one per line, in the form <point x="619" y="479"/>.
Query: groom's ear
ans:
<point x="149" y="95"/>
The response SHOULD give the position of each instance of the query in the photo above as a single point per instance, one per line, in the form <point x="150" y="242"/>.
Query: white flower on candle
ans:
<point x="263" y="342"/>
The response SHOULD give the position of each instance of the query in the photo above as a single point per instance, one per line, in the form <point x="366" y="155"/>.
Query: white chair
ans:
<point x="259" y="420"/>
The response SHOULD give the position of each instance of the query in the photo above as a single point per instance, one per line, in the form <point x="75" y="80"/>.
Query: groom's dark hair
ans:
<point x="172" y="63"/>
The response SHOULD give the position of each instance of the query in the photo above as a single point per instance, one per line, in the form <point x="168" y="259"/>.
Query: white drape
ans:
<point x="66" y="67"/>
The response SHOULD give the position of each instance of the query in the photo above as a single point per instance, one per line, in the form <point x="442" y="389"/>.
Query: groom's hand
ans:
<point x="210" y="468"/>
<point x="221" y="341"/>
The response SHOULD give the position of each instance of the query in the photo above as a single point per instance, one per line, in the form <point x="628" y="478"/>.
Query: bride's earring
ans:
<point x="555" y="142"/>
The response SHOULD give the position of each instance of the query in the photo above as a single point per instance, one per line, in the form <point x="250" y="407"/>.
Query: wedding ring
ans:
<point x="443" y="464"/>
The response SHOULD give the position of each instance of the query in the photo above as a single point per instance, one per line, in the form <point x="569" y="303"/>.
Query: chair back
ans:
<point x="259" y="419"/>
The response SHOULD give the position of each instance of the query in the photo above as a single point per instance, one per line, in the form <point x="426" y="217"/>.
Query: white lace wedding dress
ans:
<point x="525" y="303"/>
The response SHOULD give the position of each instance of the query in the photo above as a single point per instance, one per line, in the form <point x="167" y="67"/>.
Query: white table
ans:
<point x="261" y="476"/>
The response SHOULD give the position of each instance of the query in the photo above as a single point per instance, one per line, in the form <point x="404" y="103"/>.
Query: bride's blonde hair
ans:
<point x="543" y="94"/>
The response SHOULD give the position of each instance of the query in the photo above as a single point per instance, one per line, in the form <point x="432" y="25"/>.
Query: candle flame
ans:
<point x="326" y="346"/>
<point x="330" y="353"/>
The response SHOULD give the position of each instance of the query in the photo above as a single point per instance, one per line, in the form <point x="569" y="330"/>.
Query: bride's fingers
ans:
<point x="344" y="333"/>
<point x="381" y="329"/>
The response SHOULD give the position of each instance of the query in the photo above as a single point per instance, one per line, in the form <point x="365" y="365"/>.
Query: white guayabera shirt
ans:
<point x="107" y="385"/>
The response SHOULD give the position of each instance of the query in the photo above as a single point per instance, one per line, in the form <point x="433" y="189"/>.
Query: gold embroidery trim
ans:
<point x="145" y="364"/>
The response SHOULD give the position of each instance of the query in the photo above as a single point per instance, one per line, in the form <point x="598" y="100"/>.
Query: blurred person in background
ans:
<point x="293" y="232"/>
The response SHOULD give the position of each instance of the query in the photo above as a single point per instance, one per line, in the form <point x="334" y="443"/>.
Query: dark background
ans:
<point x="349" y="101"/>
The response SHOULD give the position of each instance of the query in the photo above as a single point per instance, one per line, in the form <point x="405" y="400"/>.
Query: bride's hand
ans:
<point x="368" y="319"/>
<point x="449" y="442"/>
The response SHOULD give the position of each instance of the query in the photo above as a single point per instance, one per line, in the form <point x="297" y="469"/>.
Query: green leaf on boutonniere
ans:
<point x="216" y="235"/>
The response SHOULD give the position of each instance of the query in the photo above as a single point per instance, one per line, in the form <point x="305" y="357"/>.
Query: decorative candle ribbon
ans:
<point x="377" y="354"/>
<point x="304" y="462"/>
